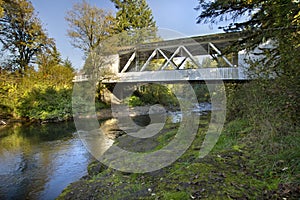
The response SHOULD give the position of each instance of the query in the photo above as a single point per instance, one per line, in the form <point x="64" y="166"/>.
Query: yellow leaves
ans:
<point x="296" y="20"/>
<point x="1" y="8"/>
<point x="22" y="33"/>
<point x="88" y="25"/>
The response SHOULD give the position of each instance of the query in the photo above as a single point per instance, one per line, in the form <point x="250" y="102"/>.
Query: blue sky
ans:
<point x="177" y="15"/>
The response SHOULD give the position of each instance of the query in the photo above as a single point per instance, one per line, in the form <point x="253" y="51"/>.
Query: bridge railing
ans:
<point x="183" y="75"/>
<point x="81" y="78"/>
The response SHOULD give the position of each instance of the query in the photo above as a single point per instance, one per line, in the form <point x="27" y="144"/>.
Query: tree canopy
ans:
<point x="273" y="20"/>
<point x="43" y="88"/>
<point x="21" y="35"/>
<point x="273" y="96"/>
<point x="88" y="26"/>
<point x="132" y="24"/>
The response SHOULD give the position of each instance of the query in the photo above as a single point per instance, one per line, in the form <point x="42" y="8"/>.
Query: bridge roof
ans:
<point x="222" y="40"/>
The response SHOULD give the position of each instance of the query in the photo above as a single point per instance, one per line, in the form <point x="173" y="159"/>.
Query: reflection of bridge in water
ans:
<point x="187" y="59"/>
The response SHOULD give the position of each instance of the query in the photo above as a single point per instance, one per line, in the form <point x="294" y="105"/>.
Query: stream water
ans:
<point x="39" y="161"/>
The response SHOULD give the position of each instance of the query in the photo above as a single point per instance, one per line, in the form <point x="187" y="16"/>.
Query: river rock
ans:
<point x="2" y="122"/>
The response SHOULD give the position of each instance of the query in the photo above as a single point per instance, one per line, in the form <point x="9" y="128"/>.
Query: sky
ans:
<point x="177" y="15"/>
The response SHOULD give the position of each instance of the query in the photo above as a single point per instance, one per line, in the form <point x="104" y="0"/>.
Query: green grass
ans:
<point x="241" y="166"/>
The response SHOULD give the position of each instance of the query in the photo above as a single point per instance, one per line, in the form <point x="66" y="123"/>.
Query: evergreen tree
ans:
<point x="133" y="14"/>
<point x="134" y="24"/>
<point x="68" y="64"/>
<point x="273" y="20"/>
<point x="274" y="97"/>
<point x="49" y="58"/>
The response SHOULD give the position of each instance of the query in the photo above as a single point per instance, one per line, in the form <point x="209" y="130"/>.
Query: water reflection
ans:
<point x="38" y="161"/>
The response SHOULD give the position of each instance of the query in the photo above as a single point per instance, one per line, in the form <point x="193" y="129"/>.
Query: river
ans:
<point x="39" y="161"/>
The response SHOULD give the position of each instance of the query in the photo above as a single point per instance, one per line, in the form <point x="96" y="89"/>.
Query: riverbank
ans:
<point x="237" y="168"/>
<point x="107" y="113"/>
<point x="10" y="121"/>
<point x="103" y="114"/>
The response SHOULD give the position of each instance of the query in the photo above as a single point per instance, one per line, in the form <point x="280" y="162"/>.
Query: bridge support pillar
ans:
<point x="123" y="90"/>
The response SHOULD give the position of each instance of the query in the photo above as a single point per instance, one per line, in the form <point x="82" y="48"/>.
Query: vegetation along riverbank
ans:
<point x="258" y="153"/>
<point x="243" y="165"/>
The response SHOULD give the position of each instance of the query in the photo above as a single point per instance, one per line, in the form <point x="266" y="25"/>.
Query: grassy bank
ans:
<point x="256" y="157"/>
<point x="239" y="167"/>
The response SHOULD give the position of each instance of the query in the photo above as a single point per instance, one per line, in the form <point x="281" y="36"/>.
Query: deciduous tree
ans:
<point x="1" y="8"/>
<point x="21" y="34"/>
<point x="88" y="26"/>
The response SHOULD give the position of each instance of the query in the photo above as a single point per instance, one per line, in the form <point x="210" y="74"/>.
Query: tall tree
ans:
<point x="275" y="21"/>
<point x="88" y="26"/>
<point x="133" y="14"/>
<point x="21" y="34"/>
<point x="48" y="59"/>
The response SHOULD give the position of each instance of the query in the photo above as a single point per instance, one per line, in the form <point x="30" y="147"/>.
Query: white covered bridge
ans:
<point x="186" y="59"/>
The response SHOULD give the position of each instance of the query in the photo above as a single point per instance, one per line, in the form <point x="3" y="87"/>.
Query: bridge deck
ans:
<point x="206" y="74"/>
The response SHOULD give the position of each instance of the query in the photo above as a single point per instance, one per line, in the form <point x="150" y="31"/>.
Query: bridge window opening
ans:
<point x="222" y="60"/>
<point x="223" y="63"/>
<point x="208" y="62"/>
<point x="127" y="61"/>
<point x="164" y="55"/>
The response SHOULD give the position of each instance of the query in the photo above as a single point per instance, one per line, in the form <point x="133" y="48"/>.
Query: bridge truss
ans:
<point x="184" y="59"/>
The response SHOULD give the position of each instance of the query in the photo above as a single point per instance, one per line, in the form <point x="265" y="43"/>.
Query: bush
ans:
<point x="157" y="94"/>
<point x="46" y="103"/>
<point x="44" y="94"/>
<point x="133" y="101"/>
